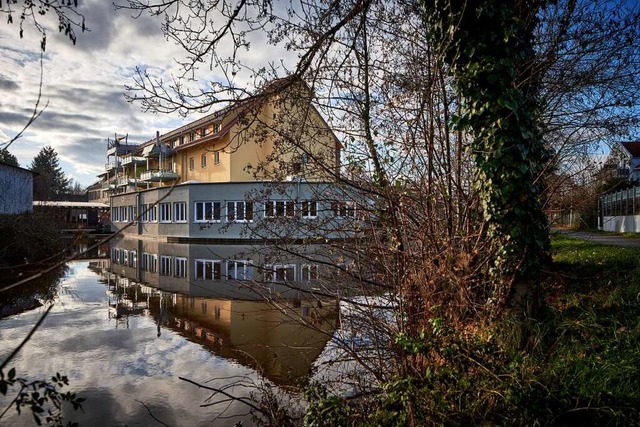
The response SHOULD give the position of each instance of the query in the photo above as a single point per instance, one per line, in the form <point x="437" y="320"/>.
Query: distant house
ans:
<point x="16" y="189"/>
<point x="626" y="156"/>
<point x="72" y="211"/>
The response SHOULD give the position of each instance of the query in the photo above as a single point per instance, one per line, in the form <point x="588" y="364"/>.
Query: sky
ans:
<point x="84" y="86"/>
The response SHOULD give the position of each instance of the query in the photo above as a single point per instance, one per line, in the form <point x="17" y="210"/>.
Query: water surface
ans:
<point x="124" y="344"/>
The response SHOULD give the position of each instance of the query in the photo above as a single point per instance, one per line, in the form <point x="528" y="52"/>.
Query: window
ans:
<point x="114" y="215"/>
<point x="132" y="213"/>
<point x="153" y="213"/>
<point x="180" y="267"/>
<point x="207" y="211"/>
<point x="180" y="212"/>
<point x="123" y="214"/>
<point x="192" y="164"/>
<point x="309" y="272"/>
<point x="216" y="127"/>
<point x="165" y="265"/>
<point x="181" y="139"/>
<point x="125" y="257"/>
<point x="309" y="209"/>
<point x="238" y="270"/>
<point x="144" y="213"/>
<point x="133" y="259"/>
<point x="207" y="269"/>
<point x="115" y="255"/>
<point x="344" y="209"/>
<point x="203" y="161"/>
<point x="239" y="211"/>
<point x="153" y="263"/>
<point x="216" y="157"/>
<point x="144" y="261"/>
<point x="165" y="212"/>
<point x="279" y="208"/>
<point x="280" y="273"/>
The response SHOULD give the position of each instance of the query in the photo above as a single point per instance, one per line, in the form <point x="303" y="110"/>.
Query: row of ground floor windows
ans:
<point x="212" y="269"/>
<point x="234" y="211"/>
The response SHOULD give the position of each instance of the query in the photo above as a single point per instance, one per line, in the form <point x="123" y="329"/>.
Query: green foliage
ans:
<point x="324" y="409"/>
<point x="51" y="178"/>
<point x="489" y="47"/>
<point x="43" y="398"/>
<point x="8" y="158"/>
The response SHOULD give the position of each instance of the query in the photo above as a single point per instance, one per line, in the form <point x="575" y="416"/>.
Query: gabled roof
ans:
<point x="632" y="147"/>
<point x="19" y="168"/>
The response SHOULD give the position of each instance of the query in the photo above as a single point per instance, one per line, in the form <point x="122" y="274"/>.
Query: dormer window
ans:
<point x="216" y="128"/>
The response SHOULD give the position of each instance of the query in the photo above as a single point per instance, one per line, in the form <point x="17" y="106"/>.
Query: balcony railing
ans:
<point x="111" y="165"/>
<point x="159" y="175"/>
<point x="130" y="159"/>
<point x="123" y="181"/>
<point x="109" y="186"/>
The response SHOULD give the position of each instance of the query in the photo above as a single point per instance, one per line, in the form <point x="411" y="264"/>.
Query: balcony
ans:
<point x="109" y="186"/>
<point x="112" y="165"/>
<point x="131" y="160"/>
<point x="123" y="181"/>
<point x="159" y="175"/>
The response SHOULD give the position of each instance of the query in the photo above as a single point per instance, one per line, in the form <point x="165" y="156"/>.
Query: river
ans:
<point x="124" y="342"/>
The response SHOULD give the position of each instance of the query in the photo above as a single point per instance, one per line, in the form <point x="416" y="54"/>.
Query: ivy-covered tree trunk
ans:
<point x="489" y="47"/>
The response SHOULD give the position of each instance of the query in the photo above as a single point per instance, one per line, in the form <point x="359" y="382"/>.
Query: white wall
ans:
<point x="16" y="190"/>
<point x="621" y="224"/>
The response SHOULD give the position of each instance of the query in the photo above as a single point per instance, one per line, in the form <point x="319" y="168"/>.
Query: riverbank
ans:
<point x="578" y="363"/>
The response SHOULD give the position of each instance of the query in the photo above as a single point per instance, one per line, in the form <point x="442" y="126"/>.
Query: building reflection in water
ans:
<point x="240" y="304"/>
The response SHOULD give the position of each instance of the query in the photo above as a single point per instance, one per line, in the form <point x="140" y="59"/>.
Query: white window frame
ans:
<point x="165" y="265"/>
<point x="125" y="257"/>
<point x="204" y="211"/>
<point x="180" y="267"/>
<point x="133" y="259"/>
<point x="144" y="261"/>
<point x="153" y="213"/>
<point x="309" y="209"/>
<point x="153" y="263"/>
<point x="165" y="212"/>
<point x="114" y="214"/>
<point x="123" y="214"/>
<point x="344" y="209"/>
<point x="144" y="214"/>
<point x="179" y="211"/>
<point x="201" y="272"/>
<point x="232" y="208"/>
<point x="272" y="273"/>
<point x="309" y="272"/>
<point x="280" y="208"/>
<point x="239" y="270"/>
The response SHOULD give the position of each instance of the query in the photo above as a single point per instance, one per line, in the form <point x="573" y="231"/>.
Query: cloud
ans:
<point x="8" y="85"/>
<point x="84" y="84"/>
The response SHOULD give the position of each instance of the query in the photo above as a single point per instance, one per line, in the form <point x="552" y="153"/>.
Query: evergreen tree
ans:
<point x="51" y="178"/>
<point x="8" y="158"/>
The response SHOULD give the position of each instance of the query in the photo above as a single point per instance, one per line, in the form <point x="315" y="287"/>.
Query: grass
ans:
<point x="593" y="367"/>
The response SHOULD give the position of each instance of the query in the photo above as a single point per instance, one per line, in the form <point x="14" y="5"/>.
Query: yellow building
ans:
<point x="206" y="173"/>
<point x="275" y="135"/>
